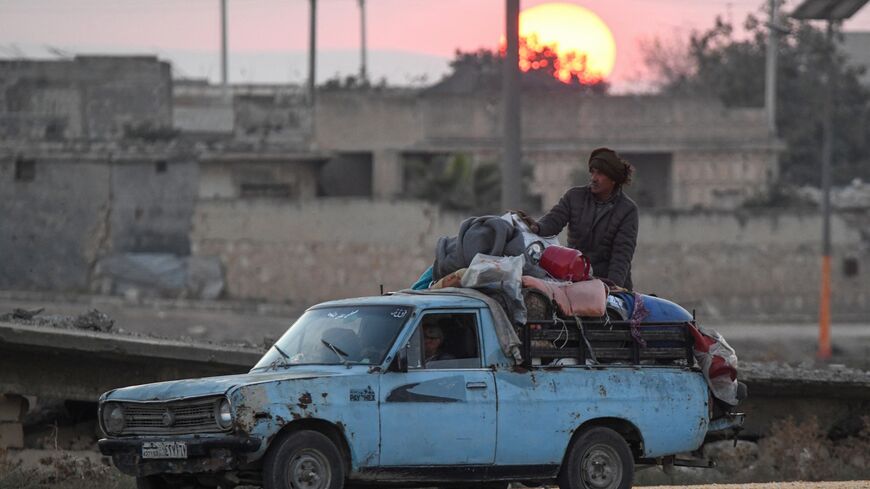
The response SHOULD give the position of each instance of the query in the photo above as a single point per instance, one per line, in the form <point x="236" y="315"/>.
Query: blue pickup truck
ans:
<point x="431" y="389"/>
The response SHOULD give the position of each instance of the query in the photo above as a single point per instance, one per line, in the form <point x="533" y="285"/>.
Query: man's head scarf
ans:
<point x="609" y="163"/>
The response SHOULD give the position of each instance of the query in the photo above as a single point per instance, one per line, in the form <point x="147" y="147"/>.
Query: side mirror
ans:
<point x="400" y="363"/>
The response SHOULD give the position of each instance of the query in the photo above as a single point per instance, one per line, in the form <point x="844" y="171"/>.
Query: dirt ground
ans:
<point x="778" y="485"/>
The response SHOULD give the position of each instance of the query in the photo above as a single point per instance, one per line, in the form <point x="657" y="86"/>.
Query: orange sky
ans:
<point x="424" y="27"/>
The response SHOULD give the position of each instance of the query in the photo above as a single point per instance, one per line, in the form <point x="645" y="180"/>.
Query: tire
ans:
<point x="303" y="460"/>
<point x="599" y="459"/>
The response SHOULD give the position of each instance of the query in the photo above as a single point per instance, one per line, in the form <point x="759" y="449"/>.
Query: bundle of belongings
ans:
<point x="551" y="296"/>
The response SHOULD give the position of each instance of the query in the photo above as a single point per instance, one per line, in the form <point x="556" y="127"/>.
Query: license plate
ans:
<point x="164" y="449"/>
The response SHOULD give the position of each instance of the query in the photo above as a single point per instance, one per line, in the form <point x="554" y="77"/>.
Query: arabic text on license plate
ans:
<point x="164" y="449"/>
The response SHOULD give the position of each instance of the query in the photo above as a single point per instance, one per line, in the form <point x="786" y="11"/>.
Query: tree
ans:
<point x="541" y="68"/>
<point x="720" y="63"/>
<point x="457" y="183"/>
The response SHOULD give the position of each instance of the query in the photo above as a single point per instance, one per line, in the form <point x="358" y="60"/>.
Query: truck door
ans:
<point x="443" y="410"/>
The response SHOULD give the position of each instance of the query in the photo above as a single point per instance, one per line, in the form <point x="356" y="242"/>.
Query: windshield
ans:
<point x="359" y="335"/>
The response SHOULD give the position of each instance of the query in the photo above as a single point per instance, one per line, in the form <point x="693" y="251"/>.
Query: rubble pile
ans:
<point x="93" y="320"/>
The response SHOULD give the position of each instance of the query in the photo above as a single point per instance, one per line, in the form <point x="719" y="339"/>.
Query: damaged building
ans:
<point x="117" y="179"/>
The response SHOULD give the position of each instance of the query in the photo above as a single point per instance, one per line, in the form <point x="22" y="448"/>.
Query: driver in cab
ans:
<point x="433" y="341"/>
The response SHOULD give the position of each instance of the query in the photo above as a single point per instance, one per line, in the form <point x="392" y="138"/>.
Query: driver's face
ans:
<point x="431" y="344"/>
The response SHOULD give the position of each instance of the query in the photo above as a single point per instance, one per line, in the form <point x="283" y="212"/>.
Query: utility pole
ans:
<point x="224" y="80"/>
<point x="827" y="154"/>
<point x="363" y="75"/>
<point x="511" y="186"/>
<point x="770" y="68"/>
<point x="312" y="54"/>
<point x="834" y="12"/>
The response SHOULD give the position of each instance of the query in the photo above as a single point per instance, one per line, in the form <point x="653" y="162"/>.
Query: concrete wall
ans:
<point x="81" y="206"/>
<point x="311" y="251"/>
<point x="354" y="121"/>
<point x="751" y="263"/>
<point x="152" y="203"/>
<point x="726" y="265"/>
<point x="52" y="227"/>
<point x="251" y="115"/>
<point x="89" y="97"/>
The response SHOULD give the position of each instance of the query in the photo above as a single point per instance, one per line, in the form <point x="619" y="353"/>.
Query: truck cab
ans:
<point x="353" y="394"/>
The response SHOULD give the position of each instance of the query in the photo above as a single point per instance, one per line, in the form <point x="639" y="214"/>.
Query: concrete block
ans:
<point x="11" y="435"/>
<point x="12" y="408"/>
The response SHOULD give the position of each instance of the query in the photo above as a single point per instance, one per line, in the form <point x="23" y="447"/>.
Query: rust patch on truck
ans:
<point x="304" y="400"/>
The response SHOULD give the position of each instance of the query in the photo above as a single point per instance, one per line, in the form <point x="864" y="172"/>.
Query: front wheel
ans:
<point x="303" y="460"/>
<point x="598" y="459"/>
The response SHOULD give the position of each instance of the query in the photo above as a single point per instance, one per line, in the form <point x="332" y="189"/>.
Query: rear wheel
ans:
<point x="599" y="459"/>
<point x="303" y="460"/>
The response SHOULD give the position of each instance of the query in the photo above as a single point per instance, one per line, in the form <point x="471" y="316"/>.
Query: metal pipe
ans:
<point x="511" y="186"/>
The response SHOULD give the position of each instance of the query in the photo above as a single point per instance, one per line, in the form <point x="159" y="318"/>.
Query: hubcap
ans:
<point x="601" y="467"/>
<point x="309" y="469"/>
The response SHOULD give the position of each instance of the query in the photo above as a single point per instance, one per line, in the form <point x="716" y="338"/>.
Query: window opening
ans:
<point x="25" y="170"/>
<point x="445" y="341"/>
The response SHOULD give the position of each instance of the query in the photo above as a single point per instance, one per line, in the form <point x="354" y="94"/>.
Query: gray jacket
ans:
<point x="490" y="235"/>
<point x="605" y="232"/>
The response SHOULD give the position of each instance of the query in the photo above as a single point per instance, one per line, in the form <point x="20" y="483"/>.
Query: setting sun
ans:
<point x="582" y="40"/>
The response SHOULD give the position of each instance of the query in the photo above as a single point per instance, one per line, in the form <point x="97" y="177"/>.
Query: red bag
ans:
<point x="566" y="264"/>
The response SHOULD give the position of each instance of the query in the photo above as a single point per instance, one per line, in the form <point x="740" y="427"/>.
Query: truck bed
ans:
<point x="549" y="339"/>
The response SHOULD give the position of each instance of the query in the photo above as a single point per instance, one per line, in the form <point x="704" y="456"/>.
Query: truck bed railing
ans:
<point x="607" y="341"/>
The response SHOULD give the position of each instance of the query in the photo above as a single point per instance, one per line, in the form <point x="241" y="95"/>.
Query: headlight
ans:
<point x="113" y="418"/>
<point x="223" y="415"/>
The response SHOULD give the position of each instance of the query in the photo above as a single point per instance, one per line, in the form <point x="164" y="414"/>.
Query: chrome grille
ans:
<point x="196" y="416"/>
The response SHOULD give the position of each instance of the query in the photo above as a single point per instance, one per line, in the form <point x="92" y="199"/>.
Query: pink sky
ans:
<point x="431" y="27"/>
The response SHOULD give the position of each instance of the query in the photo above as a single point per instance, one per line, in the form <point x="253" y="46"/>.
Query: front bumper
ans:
<point x="204" y="455"/>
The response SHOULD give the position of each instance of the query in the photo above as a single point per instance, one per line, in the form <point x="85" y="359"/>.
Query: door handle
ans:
<point x="475" y="385"/>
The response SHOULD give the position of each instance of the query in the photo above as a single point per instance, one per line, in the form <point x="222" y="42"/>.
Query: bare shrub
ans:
<point x="61" y="471"/>
<point x="802" y="451"/>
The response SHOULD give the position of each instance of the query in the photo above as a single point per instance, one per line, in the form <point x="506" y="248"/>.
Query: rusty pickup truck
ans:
<point x="428" y="389"/>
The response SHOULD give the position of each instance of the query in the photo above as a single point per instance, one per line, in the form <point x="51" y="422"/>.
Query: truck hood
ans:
<point x="214" y="386"/>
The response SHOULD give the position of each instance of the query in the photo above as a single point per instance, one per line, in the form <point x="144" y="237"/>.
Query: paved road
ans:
<point x="777" y="485"/>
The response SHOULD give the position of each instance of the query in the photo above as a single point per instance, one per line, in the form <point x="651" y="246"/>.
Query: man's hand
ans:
<point x="531" y="223"/>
